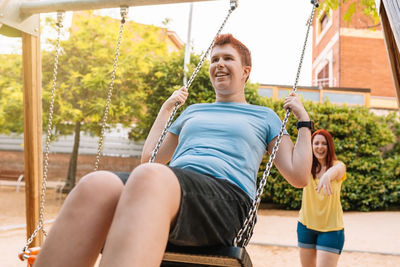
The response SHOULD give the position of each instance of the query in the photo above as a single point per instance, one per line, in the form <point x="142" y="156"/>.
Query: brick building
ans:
<point x="352" y="54"/>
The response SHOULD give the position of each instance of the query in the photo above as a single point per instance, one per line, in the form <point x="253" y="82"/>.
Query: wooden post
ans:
<point x="32" y="82"/>
<point x="392" y="44"/>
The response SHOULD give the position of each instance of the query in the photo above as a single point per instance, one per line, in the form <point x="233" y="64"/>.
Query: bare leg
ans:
<point x="308" y="257"/>
<point x="327" y="259"/>
<point x="145" y="212"/>
<point x="80" y="230"/>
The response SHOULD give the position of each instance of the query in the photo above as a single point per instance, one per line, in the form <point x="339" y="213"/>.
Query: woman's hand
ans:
<point x="293" y="103"/>
<point x="178" y="96"/>
<point x="324" y="185"/>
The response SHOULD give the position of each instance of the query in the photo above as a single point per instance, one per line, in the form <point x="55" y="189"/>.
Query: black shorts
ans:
<point x="212" y="210"/>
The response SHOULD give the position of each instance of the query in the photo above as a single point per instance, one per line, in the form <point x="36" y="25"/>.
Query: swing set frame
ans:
<point x="31" y="53"/>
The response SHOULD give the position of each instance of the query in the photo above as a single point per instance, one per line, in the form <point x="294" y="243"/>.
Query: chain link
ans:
<point x="40" y="226"/>
<point x="124" y="14"/>
<point x="233" y="5"/>
<point x="243" y="236"/>
<point x="59" y="24"/>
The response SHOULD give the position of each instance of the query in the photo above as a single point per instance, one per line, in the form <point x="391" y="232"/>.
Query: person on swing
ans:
<point x="202" y="197"/>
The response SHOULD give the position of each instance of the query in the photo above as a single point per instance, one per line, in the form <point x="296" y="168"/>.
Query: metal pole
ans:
<point x="46" y="6"/>
<point x="188" y="43"/>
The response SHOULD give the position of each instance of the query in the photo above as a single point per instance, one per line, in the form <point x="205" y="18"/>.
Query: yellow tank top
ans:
<point x="321" y="212"/>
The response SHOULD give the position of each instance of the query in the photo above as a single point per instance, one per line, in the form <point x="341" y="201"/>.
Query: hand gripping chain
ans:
<point x="40" y="226"/>
<point x="245" y="233"/>
<point x="233" y="6"/>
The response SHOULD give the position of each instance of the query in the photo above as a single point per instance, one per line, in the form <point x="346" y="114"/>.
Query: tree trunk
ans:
<point x="71" y="176"/>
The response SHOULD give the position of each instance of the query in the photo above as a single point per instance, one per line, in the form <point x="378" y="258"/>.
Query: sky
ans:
<point x="274" y="31"/>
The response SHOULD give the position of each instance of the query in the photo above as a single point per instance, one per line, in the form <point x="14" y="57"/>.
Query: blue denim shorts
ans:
<point x="212" y="210"/>
<point x="332" y="241"/>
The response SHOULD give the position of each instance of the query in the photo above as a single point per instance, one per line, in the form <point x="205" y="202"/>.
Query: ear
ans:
<point x="246" y="72"/>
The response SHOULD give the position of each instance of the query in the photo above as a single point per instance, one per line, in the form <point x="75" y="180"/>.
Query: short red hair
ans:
<point x="227" y="38"/>
<point x="331" y="155"/>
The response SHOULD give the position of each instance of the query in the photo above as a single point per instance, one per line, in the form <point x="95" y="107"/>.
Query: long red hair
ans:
<point x="330" y="156"/>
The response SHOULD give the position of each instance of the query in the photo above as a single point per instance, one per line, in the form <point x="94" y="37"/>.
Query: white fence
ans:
<point x="116" y="144"/>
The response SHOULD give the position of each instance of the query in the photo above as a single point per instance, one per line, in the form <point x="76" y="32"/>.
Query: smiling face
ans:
<point x="227" y="73"/>
<point x="320" y="147"/>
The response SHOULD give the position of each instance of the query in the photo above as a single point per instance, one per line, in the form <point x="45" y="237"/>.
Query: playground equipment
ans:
<point x="235" y="255"/>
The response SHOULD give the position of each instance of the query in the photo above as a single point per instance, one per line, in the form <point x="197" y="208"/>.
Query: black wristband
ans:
<point x="308" y="124"/>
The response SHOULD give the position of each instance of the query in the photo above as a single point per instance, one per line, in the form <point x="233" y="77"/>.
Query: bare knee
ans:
<point x="100" y="185"/>
<point x="154" y="176"/>
<point x="156" y="181"/>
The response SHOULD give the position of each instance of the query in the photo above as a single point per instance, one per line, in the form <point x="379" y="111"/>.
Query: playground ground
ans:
<point x="372" y="239"/>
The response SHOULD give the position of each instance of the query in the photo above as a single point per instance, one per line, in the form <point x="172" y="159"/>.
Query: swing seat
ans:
<point x="178" y="256"/>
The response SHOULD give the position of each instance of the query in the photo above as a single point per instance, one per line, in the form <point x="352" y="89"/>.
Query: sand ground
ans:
<point x="372" y="239"/>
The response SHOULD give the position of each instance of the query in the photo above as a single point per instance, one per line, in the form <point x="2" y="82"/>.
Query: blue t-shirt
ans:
<point x="226" y="140"/>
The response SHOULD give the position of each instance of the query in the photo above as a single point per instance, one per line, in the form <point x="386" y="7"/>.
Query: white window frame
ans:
<point x="328" y="59"/>
<point x="321" y="34"/>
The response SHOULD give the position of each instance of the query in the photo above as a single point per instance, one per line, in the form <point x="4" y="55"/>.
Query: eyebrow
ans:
<point x="224" y="55"/>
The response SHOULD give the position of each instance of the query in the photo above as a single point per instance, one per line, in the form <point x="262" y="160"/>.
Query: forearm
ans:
<point x="155" y="133"/>
<point x="336" y="172"/>
<point x="302" y="156"/>
<point x="297" y="168"/>
<point x="302" y="151"/>
<point x="294" y="161"/>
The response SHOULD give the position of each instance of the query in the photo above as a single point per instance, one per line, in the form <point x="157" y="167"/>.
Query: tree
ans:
<point x="368" y="7"/>
<point x="165" y="77"/>
<point x="84" y="76"/>
<point x="11" y="98"/>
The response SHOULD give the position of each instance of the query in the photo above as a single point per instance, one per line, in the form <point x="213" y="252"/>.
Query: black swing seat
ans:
<point x="177" y="256"/>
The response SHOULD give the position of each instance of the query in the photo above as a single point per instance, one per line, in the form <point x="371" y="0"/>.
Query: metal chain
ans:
<point x="233" y="6"/>
<point x="245" y="233"/>
<point x="124" y="14"/>
<point x="59" y="24"/>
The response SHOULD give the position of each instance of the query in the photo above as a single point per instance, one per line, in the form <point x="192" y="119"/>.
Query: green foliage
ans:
<point x="372" y="180"/>
<point x="11" y="97"/>
<point x="85" y="69"/>
<point x="394" y="124"/>
<point x="85" y="74"/>
<point x="390" y="176"/>
<point x="367" y="7"/>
